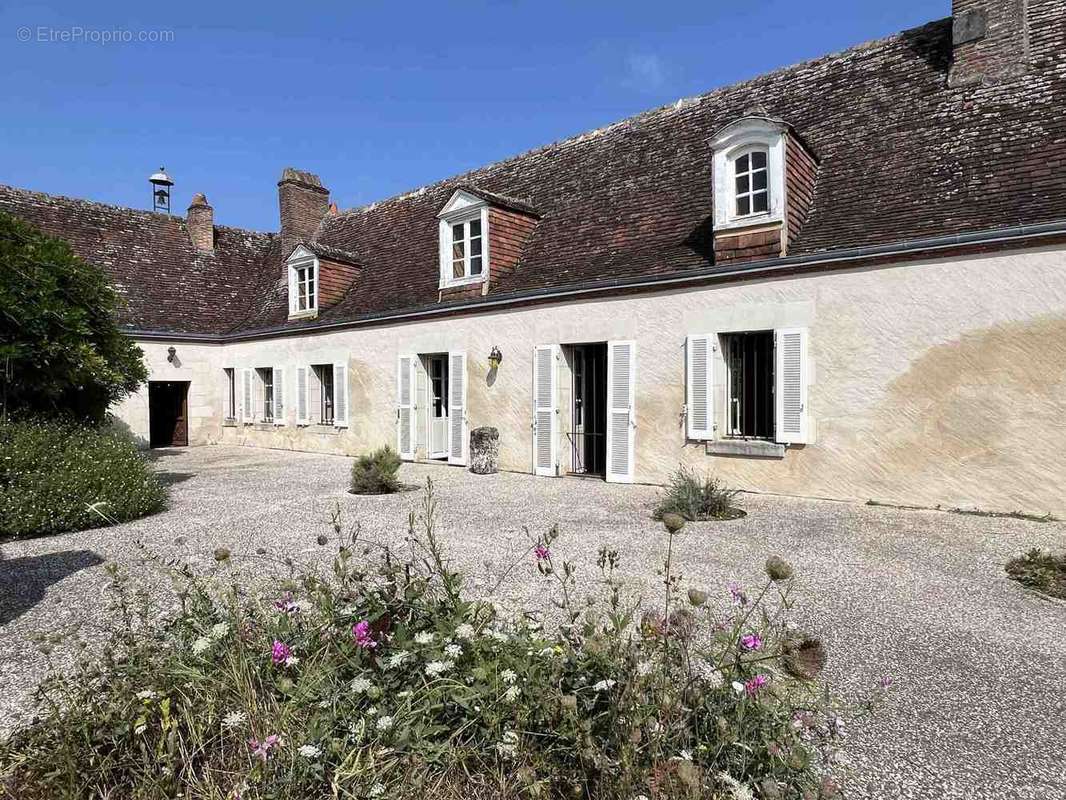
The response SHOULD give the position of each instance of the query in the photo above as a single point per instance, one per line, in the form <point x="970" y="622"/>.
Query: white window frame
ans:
<point x="733" y="142"/>
<point x="461" y="209"/>
<point x="751" y="170"/>
<point x="302" y="259"/>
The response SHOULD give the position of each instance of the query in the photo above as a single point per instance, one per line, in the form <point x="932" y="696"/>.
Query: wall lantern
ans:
<point x="172" y="353"/>
<point x="495" y="357"/>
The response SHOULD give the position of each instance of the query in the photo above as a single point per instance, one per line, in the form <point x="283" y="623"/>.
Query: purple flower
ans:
<point x="363" y="635"/>
<point x="885" y="682"/>
<point x="287" y="604"/>
<point x="280" y="653"/>
<point x="739" y="598"/>
<point x="753" y="685"/>
<point x="751" y="641"/>
<point x="542" y="552"/>
<point x="262" y="749"/>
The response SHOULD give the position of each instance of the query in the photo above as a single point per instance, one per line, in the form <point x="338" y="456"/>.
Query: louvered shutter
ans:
<point x="621" y="410"/>
<point x="457" y="444"/>
<point x="246" y="396"/>
<point x="699" y="397"/>
<point x="405" y="407"/>
<point x="545" y="406"/>
<point x="790" y="373"/>
<point x="279" y="395"/>
<point x="301" y="395"/>
<point x="340" y="395"/>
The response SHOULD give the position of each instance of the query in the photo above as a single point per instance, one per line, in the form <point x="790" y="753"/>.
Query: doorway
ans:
<point x="437" y="422"/>
<point x="588" y="436"/>
<point x="168" y="413"/>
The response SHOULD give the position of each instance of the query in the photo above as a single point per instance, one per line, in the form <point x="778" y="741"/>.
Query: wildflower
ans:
<point x="453" y="650"/>
<point x="384" y="723"/>
<point x="292" y="661"/>
<point x="309" y="751"/>
<point x="778" y="569"/>
<point x="140" y="729"/>
<point x="697" y="597"/>
<point x="261" y="749"/>
<point x="280" y="653"/>
<point x="645" y="668"/>
<point x="360" y="685"/>
<point x="512" y="694"/>
<point x="465" y="631"/>
<point x="603" y="686"/>
<point x="885" y="682"/>
<point x="424" y="637"/>
<point x="739" y="598"/>
<point x="804" y="657"/>
<point x="542" y="553"/>
<point x="737" y="790"/>
<point x="508" y="745"/>
<point x="363" y="637"/>
<point x="219" y="629"/>
<point x="753" y="685"/>
<point x="233" y="719"/>
<point x="377" y="790"/>
<point x="738" y="687"/>
<point x="436" y="668"/>
<point x="751" y="641"/>
<point x="200" y="646"/>
<point x="673" y="522"/>
<point x="500" y="635"/>
<point x="508" y="676"/>
<point x="710" y="674"/>
<point x="397" y="659"/>
<point x="147" y="694"/>
<point x="287" y="605"/>
<point x="684" y="755"/>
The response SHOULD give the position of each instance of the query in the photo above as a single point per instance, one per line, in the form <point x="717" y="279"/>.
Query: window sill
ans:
<point x="754" y="221"/>
<point x="317" y="427"/>
<point x="752" y="448"/>
<point x="456" y="283"/>
<point x="312" y="314"/>
<point x="229" y="422"/>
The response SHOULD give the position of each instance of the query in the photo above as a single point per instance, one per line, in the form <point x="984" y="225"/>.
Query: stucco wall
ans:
<point x="931" y="383"/>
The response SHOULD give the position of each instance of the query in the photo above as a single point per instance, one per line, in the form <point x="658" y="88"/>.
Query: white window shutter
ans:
<point x="247" y="410"/>
<point x="457" y="444"/>
<point x="279" y="395"/>
<point x="699" y="392"/>
<point x="790" y="374"/>
<point x="545" y="409"/>
<point x="340" y="395"/>
<point x="405" y="407"/>
<point x="301" y="395"/>
<point x="621" y="410"/>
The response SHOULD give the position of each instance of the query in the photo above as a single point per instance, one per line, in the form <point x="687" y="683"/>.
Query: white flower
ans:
<point x="397" y="659"/>
<point x="644" y="668"/>
<point x="500" y="636"/>
<point x="219" y="629"/>
<point x="361" y="685"/>
<point x="547" y="652"/>
<point x="372" y="711"/>
<point x="603" y="686"/>
<point x="140" y="729"/>
<point x="465" y="631"/>
<point x="453" y="650"/>
<point x="509" y="745"/>
<point x="200" y="645"/>
<point x="738" y="687"/>
<point x="233" y="719"/>
<point x="377" y="790"/>
<point x="424" y="637"/>
<point x="641" y="797"/>
<point x="292" y="661"/>
<point x="684" y="755"/>
<point x="147" y="694"/>
<point x="435" y="668"/>
<point x="508" y="676"/>
<point x="384" y="723"/>
<point x="309" y="751"/>
<point x="512" y="694"/>
<point x="737" y="789"/>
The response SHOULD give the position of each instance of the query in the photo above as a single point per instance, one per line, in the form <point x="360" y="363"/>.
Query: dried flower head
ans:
<point x="778" y="569"/>
<point x="697" y="597"/>
<point x="222" y="554"/>
<point x="804" y="657"/>
<point x="673" y="522"/>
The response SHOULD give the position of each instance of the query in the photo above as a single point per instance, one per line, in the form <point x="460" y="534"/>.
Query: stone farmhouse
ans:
<point x="843" y="279"/>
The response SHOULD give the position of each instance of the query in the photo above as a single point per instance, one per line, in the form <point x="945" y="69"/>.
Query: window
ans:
<point x="750" y="176"/>
<point x="305" y="287"/>
<point x="230" y="400"/>
<point x="749" y="362"/>
<point x="466" y="249"/>
<point x="303" y="282"/>
<point x="464" y="240"/>
<point x="266" y="383"/>
<point x="323" y="403"/>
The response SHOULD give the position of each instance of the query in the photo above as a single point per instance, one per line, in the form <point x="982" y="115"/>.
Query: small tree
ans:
<point x="61" y="351"/>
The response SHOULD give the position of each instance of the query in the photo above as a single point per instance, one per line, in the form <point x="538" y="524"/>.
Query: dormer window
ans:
<point x="467" y="249"/>
<point x="750" y="179"/>
<point x="303" y="283"/>
<point x="749" y="173"/>
<point x="464" y="240"/>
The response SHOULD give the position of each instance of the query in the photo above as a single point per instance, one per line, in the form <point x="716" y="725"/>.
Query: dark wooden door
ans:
<point x="168" y="413"/>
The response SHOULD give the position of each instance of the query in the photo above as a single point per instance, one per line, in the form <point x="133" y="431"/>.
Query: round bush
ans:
<point x="377" y="473"/>
<point x="59" y="476"/>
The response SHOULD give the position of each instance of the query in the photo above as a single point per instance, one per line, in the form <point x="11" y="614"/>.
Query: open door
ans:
<point x="168" y="413"/>
<point x="545" y="409"/>
<point x="621" y="410"/>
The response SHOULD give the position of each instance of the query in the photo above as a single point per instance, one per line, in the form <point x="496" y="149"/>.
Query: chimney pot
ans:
<point x="201" y="222"/>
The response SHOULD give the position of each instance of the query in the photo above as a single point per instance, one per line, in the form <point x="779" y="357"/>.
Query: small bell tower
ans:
<point x="161" y="184"/>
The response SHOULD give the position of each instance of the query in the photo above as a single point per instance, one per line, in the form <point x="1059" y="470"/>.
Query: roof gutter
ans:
<point x="1027" y="234"/>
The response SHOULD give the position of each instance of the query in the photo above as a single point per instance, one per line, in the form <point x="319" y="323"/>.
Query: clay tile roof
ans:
<point x="501" y="200"/>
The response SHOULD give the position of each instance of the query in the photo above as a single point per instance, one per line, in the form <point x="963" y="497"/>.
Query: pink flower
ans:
<point x="753" y="686"/>
<point x="751" y="641"/>
<point x="280" y="653"/>
<point x="287" y="604"/>
<point x="542" y="553"/>
<point x="262" y="749"/>
<point x="363" y="636"/>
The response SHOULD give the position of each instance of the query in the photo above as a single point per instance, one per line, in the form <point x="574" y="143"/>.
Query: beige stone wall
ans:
<point x="931" y="383"/>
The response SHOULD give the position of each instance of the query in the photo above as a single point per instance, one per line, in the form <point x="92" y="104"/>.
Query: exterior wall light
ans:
<point x="172" y="353"/>
<point x="495" y="357"/>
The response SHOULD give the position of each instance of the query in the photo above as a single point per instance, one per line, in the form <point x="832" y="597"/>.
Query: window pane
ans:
<point x="758" y="159"/>
<point x="742" y="164"/>
<point x="458" y="234"/>
<point x="759" y="201"/>
<point x="475" y="247"/>
<point x="475" y="265"/>
<point x="743" y="205"/>
<point x="742" y="184"/>
<point x="758" y="180"/>
<point x="475" y="227"/>
<point x="458" y="249"/>
<point x="459" y="268"/>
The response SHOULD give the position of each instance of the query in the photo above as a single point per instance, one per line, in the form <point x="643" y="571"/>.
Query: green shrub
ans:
<point x="60" y="476"/>
<point x="377" y="472"/>
<point x="377" y="677"/>
<point x="696" y="499"/>
<point x="1045" y="572"/>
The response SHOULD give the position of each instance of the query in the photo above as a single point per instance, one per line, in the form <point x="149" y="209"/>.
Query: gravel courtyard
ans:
<point x="977" y="708"/>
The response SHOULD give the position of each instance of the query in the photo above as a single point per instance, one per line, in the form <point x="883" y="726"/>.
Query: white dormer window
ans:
<point x="303" y="283"/>
<point x="749" y="173"/>
<point x="464" y="240"/>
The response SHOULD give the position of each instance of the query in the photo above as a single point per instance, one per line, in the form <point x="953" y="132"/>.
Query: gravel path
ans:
<point x="976" y="711"/>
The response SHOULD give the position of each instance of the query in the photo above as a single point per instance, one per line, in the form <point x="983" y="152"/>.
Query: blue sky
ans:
<point x="377" y="98"/>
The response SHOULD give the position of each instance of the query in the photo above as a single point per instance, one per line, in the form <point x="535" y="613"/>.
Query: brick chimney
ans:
<point x="989" y="41"/>
<point x="201" y="222"/>
<point x="303" y="202"/>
